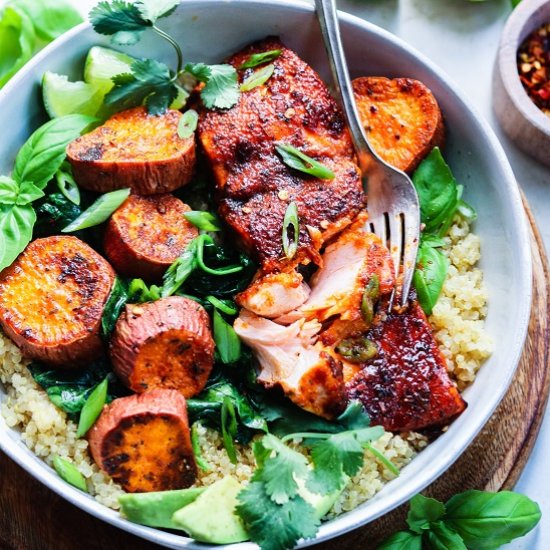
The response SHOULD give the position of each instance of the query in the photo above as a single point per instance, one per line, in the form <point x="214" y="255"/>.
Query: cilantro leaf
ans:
<point x="116" y="16"/>
<point x="151" y="10"/>
<point x="274" y="526"/>
<point x="222" y="89"/>
<point x="150" y="81"/>
<point x="279" y="471"/>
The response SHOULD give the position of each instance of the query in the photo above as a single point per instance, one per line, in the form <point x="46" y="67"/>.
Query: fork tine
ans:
<point x="377" y="226"/>
<point x="395" y="241"/>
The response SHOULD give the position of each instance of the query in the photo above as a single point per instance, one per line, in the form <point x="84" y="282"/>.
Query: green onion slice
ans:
<point x="68" y="187"/>
<point x="205" y="221"/>
<point x="201" y="463"/>
<point x="229" y="428"/>
<point x="467" y="211"/>
<point x="68" y="472"/>
<point x="294" y="158"/>
<point x="260" y="58"/>
<point x="257" y="78"/>
<point x="227" y="342"/>
<point x="383" y="459"/>
<point x="188" y="124"/>
<point x="226" y="306"/>
<point x="201" y="240"/>
<point x="291" y="226"/>
<point x="99" y="212"/>
<point x="92" y="408"/>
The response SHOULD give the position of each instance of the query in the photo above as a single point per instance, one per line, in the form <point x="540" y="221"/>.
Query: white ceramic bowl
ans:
<point x="209" y="30"/>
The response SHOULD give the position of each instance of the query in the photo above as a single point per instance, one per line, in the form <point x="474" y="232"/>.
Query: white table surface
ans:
<point x="462" y="38"/>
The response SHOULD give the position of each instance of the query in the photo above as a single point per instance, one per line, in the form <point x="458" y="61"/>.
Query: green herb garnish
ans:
<point x="228" y="344"/>
<point x="226" y="306"/>
<point x="260" y="58"/>
<point x="67" y="186"/>
<point x="100" y="210"/>
<point x="92" y="408"/>
<point x="205" y="221"/>
<point x="222" y="88"/>
<point x="118" y="298"/>
<point x="294" y="158"/>
<point x="188" y="124"/>
<point x="201" y="241"/>
<point x="291" y="231"/>
<point x="229" y="428"/>
<point x="473" y="519"/>
<point x="257" y="78"/>
<point x="68" y="472"/>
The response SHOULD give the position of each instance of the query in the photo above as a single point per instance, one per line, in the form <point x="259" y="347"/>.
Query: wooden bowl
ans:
<point x="526" y="125"/>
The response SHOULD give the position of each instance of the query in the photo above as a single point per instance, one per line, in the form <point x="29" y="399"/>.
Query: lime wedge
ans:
<point x="62" y="97"/>
<point x="102" y="64"/>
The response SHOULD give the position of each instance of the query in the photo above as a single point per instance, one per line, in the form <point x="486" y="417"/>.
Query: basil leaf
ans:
<point x="257" y="78"/>
<point x="299" y="161"/>
<point x="188" y="124"/>
<point x="44" y="152"/>
<point x="28" y="192"/>
<point x="429" y="276"/>
<point x="9" y="189"/>
<point x="50" y="19"/>
<point x="205" y="221"/>
<point x="423" y="512"/>
<point x="403" y="540"/>
<point x="489" y="520"/>
<point x="92" y="408"/>
<point x="437" y="190"/>
<point x="228" y="344"/>
<point x="260" y="58"/>
<point x="291" y="225"/>
<point x="99" y="212"/>
<point x="17" y="42"/>
<point x="16" y="224"/>
<point x="68" y="187"/>
<point x="111" y="312"/>
<point x="68" y="472"/>
<point x="440" y="537"/>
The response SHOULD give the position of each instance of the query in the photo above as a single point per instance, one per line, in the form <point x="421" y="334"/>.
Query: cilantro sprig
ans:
<point x="151" y="82"/>
<point x="274" y="505"/>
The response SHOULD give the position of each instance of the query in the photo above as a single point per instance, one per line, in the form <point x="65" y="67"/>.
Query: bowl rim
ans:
<point x="461" y="439"/>
<point x="513" y="33"/>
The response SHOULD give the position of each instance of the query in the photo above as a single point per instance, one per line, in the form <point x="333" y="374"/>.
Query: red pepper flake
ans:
<point x="533" y="63"/>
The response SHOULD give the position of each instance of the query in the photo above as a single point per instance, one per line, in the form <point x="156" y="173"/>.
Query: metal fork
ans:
<point x="394" y="212"/>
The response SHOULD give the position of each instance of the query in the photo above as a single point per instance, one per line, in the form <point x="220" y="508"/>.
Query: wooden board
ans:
<point x="33" y="518"/>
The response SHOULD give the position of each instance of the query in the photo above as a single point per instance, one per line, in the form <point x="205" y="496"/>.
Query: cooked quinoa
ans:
<point x="458" y="321"/>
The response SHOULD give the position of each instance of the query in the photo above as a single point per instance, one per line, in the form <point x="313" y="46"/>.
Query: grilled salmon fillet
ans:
<point x="406" y="386"/>
<point x="254" y="186"/>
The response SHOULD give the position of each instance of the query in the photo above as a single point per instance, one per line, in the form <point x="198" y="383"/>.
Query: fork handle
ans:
<point x="330" y="29"/>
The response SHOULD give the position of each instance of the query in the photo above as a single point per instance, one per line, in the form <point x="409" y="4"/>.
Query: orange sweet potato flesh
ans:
<point x="52" y="299"/>
<point x="401" y="117"/>
<point x="134" y="150"/>
<point x="147" y="234"/>
<point x="143" y="442"/>
<point x="163" y="344"/>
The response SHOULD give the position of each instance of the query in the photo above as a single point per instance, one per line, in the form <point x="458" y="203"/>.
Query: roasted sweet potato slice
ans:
<point x="163" y="344"/>
<point x="147" y="234"/>
<point x="134" y="150"/>
<point x="143" y="442"/>
<point x="406" y="386"/>
<point x="52" y="298"/>
<point x="402" y="119"/>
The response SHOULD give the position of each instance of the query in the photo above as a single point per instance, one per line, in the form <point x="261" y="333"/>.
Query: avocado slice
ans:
<point x="321" y="503"/>
<point x="211" y="517"/>
<point x="156" y="509"/>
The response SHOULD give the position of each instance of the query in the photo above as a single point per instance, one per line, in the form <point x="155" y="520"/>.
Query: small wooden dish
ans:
<point x="526" y="125"/>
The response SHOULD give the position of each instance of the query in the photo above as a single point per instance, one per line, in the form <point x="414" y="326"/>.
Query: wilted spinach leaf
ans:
<point x="54" y="212"/>
<point x="69" y="389"/>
